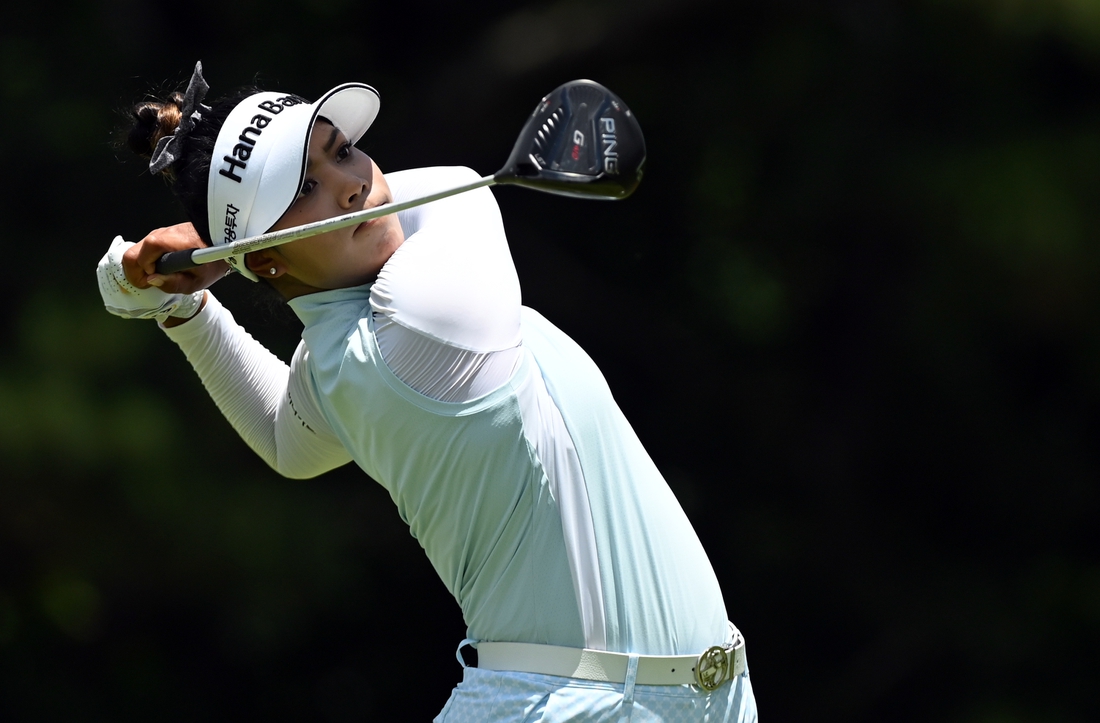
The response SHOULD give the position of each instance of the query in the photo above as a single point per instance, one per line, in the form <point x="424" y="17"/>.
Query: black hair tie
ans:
<point x="169" y="148"/>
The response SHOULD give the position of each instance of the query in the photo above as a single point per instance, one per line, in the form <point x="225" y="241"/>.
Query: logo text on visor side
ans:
<point x="245" y="142"/>
<point x="231" y="212"/>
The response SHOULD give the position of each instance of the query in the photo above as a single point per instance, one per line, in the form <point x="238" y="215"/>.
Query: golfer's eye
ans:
<point x="343" y="152"/>
<point x="307" y="188"/>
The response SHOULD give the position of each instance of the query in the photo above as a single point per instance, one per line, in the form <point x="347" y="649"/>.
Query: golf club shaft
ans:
<point x="175" y="261"/>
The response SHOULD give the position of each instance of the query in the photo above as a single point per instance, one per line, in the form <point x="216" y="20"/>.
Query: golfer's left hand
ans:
<point x="124" y="299"/>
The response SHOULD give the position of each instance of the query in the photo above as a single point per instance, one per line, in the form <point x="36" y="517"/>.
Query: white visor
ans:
<point x="259" y="159"/>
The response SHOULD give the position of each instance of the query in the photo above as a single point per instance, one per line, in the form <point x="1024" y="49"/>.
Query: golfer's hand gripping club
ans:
<point x="125" y="300"/>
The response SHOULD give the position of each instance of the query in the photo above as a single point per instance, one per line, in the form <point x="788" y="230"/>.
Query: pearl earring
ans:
<point x="271" y="271"/>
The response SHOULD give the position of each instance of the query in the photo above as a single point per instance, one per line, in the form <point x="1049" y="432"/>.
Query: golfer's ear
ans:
<point x="262" y="262"/>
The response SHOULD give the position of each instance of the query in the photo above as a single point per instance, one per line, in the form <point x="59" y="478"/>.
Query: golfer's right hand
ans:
<point x="122" y="298"/>
<point x="140" y="261"/>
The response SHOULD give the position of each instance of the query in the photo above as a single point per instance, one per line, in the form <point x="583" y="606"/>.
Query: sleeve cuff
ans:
<point x="199" y="324"/>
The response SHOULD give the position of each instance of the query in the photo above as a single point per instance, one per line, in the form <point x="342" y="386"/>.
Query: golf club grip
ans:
<point x="175" y="261"/>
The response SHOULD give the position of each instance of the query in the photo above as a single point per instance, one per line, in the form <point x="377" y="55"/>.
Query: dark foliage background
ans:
<point x="852" y="311"/>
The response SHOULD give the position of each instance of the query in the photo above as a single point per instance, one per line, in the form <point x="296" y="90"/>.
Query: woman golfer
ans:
<point x="584" y="587"/>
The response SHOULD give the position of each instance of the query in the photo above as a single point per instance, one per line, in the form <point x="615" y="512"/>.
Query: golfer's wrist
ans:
<point x="172" y="321"/>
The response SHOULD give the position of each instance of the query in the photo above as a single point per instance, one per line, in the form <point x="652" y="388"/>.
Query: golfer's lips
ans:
<point x="369" y="221"/>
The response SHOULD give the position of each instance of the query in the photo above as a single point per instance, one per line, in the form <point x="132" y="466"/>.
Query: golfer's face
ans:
<point x="339" y="179"/>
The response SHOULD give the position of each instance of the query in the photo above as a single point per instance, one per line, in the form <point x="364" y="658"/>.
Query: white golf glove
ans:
<point x="128" y="301"/>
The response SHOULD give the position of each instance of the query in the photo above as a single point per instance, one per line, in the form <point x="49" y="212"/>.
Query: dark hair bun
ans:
<point x="148" y="121"/>
<point x="153" y="120"/>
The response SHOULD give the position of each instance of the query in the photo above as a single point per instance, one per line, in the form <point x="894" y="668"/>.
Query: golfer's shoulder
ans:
<point x="417" y="182"/>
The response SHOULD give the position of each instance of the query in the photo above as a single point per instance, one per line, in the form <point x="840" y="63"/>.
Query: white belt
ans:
<point x="708" y="670"/>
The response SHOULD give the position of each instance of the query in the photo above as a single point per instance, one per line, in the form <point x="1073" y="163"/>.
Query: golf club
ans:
<point x="581" y="141"/>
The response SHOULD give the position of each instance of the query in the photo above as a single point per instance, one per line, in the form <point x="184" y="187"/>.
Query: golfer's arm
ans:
<point x="454" y="279"/>
<point x="250" y="387"/>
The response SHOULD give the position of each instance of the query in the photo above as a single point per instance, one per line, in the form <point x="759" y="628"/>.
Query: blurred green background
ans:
<point x="852" y="311"/>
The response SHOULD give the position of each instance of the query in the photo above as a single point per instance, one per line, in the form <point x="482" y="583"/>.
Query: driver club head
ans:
<point x="580" y="141"/>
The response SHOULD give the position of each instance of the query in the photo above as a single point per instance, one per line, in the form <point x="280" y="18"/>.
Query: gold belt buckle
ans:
<point x="714" y="667"/>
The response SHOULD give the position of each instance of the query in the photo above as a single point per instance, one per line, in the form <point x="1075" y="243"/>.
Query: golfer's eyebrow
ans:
<point x="331" y="139"/>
